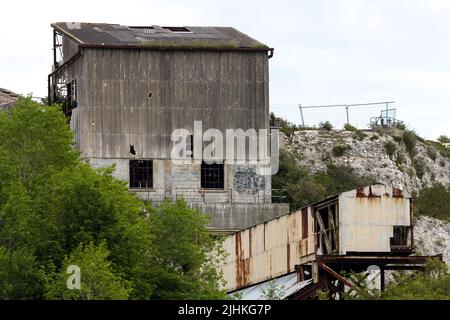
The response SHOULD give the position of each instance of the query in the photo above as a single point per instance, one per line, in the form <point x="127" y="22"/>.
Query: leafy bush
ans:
<point x="444" y="139"/>
<point x="431" y="152"/>
<point x="349" y="127"/>
<point x="400" y="125"/>
<point x="400" y="159"/>
<point x="410" y="141"/>
<point x="420" y="167"/>
<point x="391" y="148"/>
<point x="374" y="137"/>
<point x="359" y="135"/>
<point x="326" y="126"/>
<point x="302" y="187"/>
<point x="434" y="202"/>
<point x="340" y="150"/>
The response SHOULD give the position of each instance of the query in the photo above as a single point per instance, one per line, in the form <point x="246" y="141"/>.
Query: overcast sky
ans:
<point x="326" y="51"/>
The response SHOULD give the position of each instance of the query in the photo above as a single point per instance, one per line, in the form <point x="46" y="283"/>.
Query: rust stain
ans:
<point x="397" y="193"/>
<point x="242" y="264"/>
<point x="299" y="248"/>
<point x="288" y="247"/>
<point x="250" y="242"/>
<point x="360" y="193"/>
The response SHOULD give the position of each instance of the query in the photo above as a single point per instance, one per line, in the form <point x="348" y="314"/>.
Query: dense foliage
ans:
<point x="434" y="201"/>
<point x="300" y="186"/>
<point x="55" y="211"/>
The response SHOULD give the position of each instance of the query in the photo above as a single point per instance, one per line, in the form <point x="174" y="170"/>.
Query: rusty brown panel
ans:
<point x="288" y="250"/>
<point x="299" y="248"/>
<point x="242" y="265"/>
<point x="250" y="242"/>
<point x="397" y="193"/>
<point x="360" y="193"/>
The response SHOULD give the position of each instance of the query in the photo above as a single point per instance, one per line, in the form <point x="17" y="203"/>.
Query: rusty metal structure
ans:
<point x="368" y="226"/>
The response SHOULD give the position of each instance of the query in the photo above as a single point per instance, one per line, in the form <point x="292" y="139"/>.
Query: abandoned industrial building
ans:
<point x="306" y="250"/>
<point x="125" y="89"/>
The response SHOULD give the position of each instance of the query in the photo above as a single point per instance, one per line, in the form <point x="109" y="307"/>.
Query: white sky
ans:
<point x="326" y="51"/>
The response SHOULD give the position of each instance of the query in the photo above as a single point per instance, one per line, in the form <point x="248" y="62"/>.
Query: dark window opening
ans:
<point x="304" y="223"/>
<point x="400" y="238"/>
<point x="141" y="174"/>
<point x="190" y="146"/>
<point x="70" y="102"/>
<point x="178" y="29"/>
<point x="212" y="176"/>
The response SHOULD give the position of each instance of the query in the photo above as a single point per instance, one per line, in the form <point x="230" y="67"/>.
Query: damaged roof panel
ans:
<point x="157" y="37"/>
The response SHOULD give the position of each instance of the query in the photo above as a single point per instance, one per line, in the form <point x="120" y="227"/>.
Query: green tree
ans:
<point x="434" y="202"/>
<point x="52" y="202"/>
<point x="99" y="281"/>
<point x="182" y="247"/>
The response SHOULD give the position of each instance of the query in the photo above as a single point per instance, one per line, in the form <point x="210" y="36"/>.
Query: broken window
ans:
<point x="71" y="98"/>
<point x="141" y="174"/>
<point x="212" y="176"/>
<point x="400" y="238"/>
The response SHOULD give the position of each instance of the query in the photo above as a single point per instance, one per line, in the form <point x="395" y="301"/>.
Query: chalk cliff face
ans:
<point x="367" y="153"/>
<point x="432" y="236"/>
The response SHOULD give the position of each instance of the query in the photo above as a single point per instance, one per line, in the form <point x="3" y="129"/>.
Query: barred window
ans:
<point x="212" y="176"/>
<point x="141" y="174"/>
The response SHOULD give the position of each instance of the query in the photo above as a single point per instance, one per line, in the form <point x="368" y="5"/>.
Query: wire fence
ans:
<point x="358" y="115"/>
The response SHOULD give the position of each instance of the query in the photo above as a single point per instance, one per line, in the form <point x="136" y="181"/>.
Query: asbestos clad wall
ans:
<point x="266" y="251"/>
<point x="367" y="218"/>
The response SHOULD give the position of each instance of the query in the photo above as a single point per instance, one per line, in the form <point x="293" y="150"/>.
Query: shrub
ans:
<point x="431" y="152"/>
<point x="390" y="148"/>
<point x="400" y="125"/>
<point x="434" y="202"/>
<point x="410" y="141"/>
<point x="326" y="126"/>
<point x="444" y="139"/>
<point x="359" y="135"/>
<point x="340" y="150"/>
<point x="374" y="137"/>
<point x="420" y="167"/>
<point x="349" y="127"/>
<point x="400" y="159"/>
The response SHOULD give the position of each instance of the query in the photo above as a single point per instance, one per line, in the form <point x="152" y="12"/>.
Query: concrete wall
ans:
<point x="367" y="218"/>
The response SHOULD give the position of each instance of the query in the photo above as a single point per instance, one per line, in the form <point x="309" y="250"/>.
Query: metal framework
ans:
<point x="346" y="106"/>
<point x="326" y="271"/>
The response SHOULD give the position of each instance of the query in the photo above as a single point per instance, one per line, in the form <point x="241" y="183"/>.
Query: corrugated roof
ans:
<point x="287" y="285"/>
<point x="7" y="98"/>
<point x="157" y="37"/>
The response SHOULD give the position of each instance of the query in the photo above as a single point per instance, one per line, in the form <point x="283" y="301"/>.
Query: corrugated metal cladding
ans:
<point x="139" y="97"/>
<point x="266" y="251"/>
<point x="366" y="220"/>
<point x="368" y="215"/>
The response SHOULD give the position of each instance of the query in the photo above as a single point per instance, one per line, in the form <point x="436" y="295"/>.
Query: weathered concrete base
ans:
<point x="228" y="218"/>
